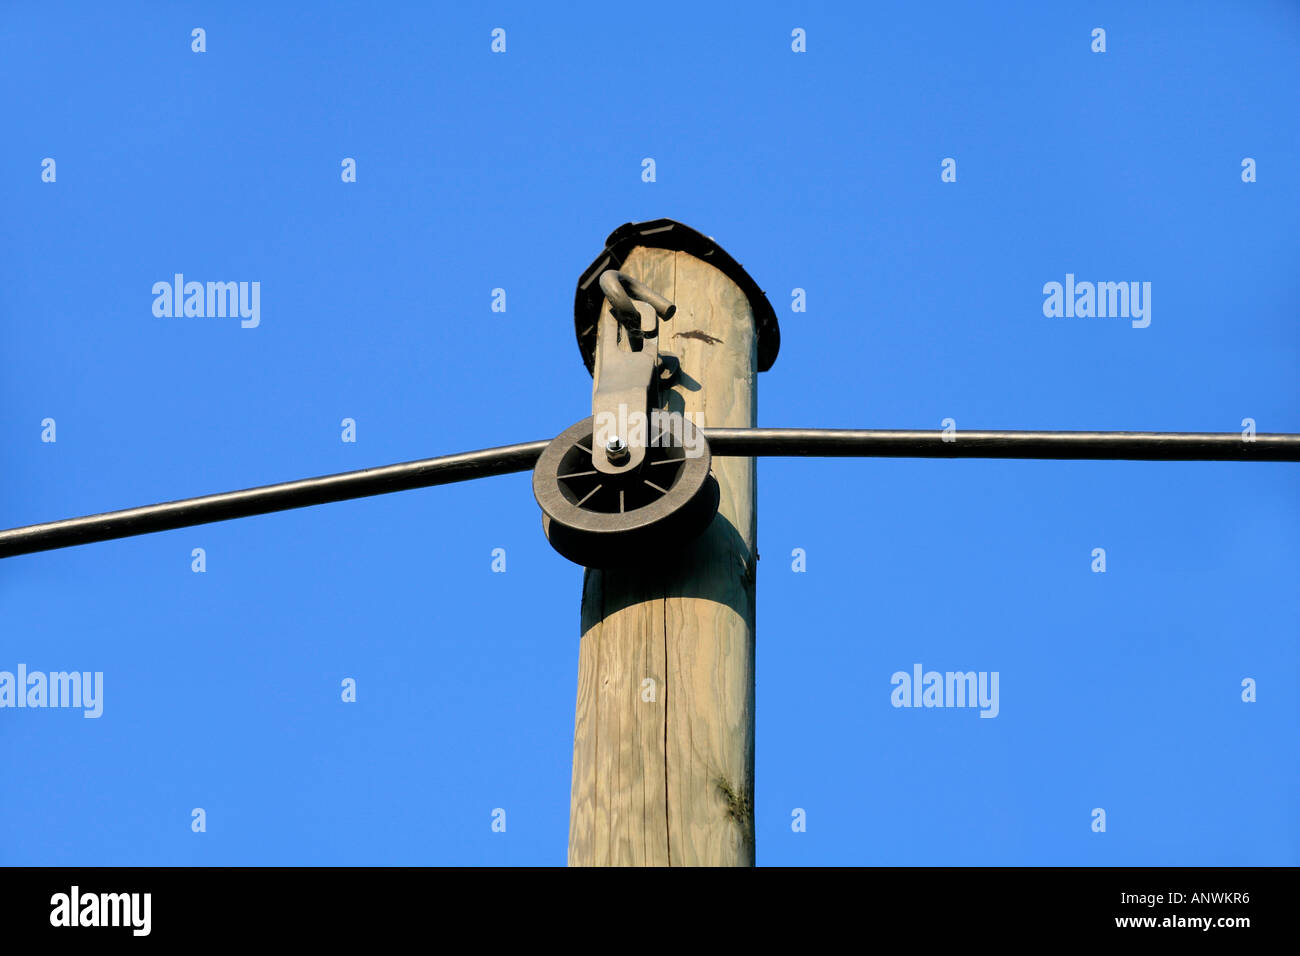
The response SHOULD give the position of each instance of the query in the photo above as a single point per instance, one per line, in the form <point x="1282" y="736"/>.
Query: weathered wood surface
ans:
<point x="663" y="773"/>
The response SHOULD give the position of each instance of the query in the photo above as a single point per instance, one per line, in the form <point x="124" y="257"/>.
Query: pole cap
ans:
<point x="668" y="234"/>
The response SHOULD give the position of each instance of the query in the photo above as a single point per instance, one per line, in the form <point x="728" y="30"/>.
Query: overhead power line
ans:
<point x="887" y="443"/>
<point x="269" y="498"/>
<point x="745" y="442"/>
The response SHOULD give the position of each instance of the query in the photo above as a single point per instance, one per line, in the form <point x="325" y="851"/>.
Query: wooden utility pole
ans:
<point x="663" y="755"/>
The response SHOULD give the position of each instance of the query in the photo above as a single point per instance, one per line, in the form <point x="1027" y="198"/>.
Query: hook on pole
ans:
<point x="621" y="289"/>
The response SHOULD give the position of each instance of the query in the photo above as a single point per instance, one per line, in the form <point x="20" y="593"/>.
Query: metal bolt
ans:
<point x="616" y="450"/>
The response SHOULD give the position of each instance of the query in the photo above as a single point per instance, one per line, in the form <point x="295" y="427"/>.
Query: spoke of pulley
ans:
<point x="746" y="442"/>
<point x="583" y="499"/>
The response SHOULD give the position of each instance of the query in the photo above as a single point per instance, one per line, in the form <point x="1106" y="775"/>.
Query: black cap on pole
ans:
<point x="668" y="234"/>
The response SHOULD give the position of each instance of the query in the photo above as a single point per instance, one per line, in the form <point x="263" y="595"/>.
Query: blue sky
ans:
<point x="818" y="170"/>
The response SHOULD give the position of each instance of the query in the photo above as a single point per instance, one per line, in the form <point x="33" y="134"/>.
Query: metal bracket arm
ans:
<point x="625" y="373"/>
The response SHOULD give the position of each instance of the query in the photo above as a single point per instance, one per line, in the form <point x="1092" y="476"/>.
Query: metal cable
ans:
<point x="746" y="442"/>
<point x="268" y="498"/>
<point x="878" y="443"/>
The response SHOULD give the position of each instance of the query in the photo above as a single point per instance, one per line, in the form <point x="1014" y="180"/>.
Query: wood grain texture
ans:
<point x="670" y="781"/>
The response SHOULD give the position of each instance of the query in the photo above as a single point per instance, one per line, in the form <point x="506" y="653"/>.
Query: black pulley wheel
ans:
<point x="605" y="521"/>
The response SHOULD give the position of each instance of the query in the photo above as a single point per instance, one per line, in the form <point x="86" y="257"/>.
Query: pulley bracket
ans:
<point x="612" y="493"/>
<point x="628" y="373"/>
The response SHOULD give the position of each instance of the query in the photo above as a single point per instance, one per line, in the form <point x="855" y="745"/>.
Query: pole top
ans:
<point x="668" y="234"/>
